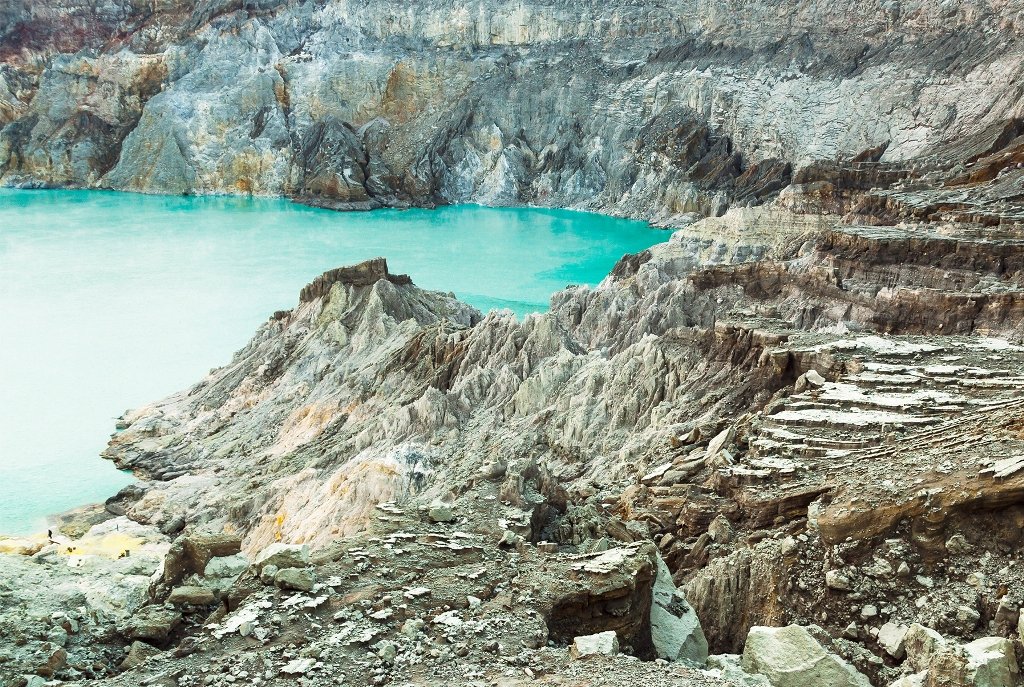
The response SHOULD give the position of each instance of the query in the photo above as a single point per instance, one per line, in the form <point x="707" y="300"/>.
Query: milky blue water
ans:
<point x="109" y="301"/>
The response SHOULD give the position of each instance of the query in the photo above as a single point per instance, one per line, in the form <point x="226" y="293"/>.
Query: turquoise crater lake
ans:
<point x="109" y="301"/>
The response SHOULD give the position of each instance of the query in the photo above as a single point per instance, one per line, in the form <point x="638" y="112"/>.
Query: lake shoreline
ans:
<point x="157" y="290"/>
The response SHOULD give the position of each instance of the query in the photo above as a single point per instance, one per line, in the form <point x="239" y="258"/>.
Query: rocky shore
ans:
<point x="666" y="111"/>
<point x="736" y="445"/>
<point x="784" y="448"/>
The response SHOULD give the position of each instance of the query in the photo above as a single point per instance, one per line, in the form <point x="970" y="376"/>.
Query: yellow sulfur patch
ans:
<point x="25" y="546"/>
<point x="111" y="545"/>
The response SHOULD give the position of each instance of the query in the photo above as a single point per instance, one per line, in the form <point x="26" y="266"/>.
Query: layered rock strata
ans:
<point x="667" y="112"/>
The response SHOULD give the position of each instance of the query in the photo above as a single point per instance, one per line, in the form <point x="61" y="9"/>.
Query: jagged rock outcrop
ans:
<point x="732" y="385"/>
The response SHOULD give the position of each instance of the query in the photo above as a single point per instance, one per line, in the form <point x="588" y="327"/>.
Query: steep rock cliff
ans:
<point x="665" y="111"/>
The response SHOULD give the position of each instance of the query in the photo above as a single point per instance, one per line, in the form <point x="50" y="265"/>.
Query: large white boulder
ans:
<point x="675" y="629"/>
<point x="790" y="657"/>
<point x="604" y="643"/>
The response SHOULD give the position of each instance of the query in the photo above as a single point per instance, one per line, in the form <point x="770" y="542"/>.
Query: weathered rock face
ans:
<point x="746" y="394"/>
<point x="675" y="629"/>
<point x="60" y="605"/>
<point x="669" y="111"/>
<point x="807" y="398"/>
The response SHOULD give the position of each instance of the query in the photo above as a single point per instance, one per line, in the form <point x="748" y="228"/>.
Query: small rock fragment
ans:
<point x="195" y="596"/>
<point x="835" y="579"/>
<point x="440" y="512"/>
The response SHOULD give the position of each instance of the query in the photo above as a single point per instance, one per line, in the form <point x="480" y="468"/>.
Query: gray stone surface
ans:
<point x="791" y="657"/>
<point x="282" y="556"/>
<point x="299" y="579"/>
<point x="668" y="111"/>
<point x="198" y="596"/>
<point x="675" y="627"/>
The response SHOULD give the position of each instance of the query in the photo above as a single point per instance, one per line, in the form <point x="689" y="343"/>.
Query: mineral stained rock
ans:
<point x="665" y="111"/>
<point x="656" y="417"/>
<point x="776" y="503"/>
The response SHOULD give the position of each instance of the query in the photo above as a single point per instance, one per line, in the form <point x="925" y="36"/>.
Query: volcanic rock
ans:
<point x="283" y="556"/>
<point x="602" y="643"/>
<point x="791" y="657"/>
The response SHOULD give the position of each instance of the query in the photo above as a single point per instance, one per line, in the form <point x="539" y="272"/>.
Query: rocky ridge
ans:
<point x="803" y="449"/>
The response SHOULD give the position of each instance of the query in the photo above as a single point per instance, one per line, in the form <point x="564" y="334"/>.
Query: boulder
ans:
<point x="509" y="538"/>
<point x="791" y="657"/>
<point x="891" y="637"/>
<point x="992" y="662"/>
<point x="195" y="596"/>
<point x="226" y="566"/>
<point x="299" y="579"/>
<point x="720" y="441"/>
<point x="494" y="470"/>
<point x="599" y="592"/>
<point x="720" y="530"/>
<point x="985" y="662"/>
<point x="58" y="636"/>
<point x="190" y="554"/>
<point x="154" y="623"/>
<point x="835" y="579"/>
<point x="604" y="643"/>
<point x="811" y="379"/>
<point x="221" y="572"/>
<point x="138" y="653"/>
<point x="440" y="512"/>
<point x="921" y="644"/>
<point x="727" y="667"/>
<point x="206" y="545"/>
<point x="268" y="573"/>
<point x="1007" y="616"/>
<point x="814" y="378"/>
<point x="675" y="629"/>
<point x="298" y="666"/>
<point x="52" y="659"/>
<point x="283" y="556"/>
